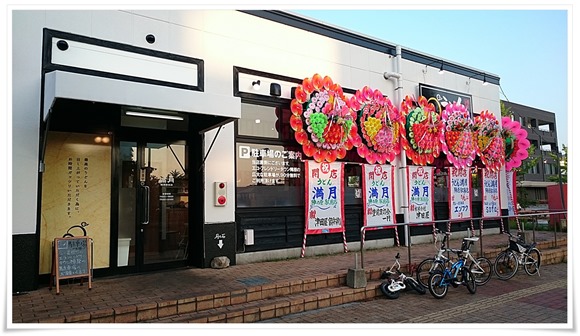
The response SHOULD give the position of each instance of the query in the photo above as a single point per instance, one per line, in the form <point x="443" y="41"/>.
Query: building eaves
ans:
<point x="365" y="41"/>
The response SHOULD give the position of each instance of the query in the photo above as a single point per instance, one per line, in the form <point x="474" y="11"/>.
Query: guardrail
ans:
<point x="536" y="215"/>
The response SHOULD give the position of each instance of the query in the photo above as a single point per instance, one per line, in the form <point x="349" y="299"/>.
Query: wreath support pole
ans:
<point x="303" y="246"/>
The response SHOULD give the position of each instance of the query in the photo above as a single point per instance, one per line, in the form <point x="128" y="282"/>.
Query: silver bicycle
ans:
<point x="480" y="267"/>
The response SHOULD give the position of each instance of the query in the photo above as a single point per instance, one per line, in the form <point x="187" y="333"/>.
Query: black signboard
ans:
<point x="445" y="97"/>
<point x="71" y="259"/>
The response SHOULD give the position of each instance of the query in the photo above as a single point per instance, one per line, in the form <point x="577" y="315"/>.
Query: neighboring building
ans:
<point x="144" y="125"/>
<point x="542" y="134"/>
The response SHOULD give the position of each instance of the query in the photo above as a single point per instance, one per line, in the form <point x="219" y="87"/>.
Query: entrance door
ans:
<point x="153" y="204"/>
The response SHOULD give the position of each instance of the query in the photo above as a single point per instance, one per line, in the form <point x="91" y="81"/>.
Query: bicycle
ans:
<point x="518" y="253"/>
<point x="480" y="267"/>
<point x="428" y="265"/>
<point x="397" y="281"/>
<point x="454" y="275"/>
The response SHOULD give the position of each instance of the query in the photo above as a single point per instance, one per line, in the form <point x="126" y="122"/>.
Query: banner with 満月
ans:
<point x="379" y="198"/>
<point x="491" y="207"/>
<point x="459" y="193"/>
<point x="324" y="197"/>
<point x="420" y="190"/>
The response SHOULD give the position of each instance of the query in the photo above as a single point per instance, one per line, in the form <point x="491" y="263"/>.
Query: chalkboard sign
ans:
<point x="71" y="259"/>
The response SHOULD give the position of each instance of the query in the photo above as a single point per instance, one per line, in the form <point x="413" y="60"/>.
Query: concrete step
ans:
<point x="265" y="309"/>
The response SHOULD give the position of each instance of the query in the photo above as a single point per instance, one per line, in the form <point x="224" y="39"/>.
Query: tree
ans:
<point x="505" y="111"/>
<point x="562" y="162"/>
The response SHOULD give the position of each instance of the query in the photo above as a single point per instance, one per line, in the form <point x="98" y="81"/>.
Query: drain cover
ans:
<point x="254" y="281"/>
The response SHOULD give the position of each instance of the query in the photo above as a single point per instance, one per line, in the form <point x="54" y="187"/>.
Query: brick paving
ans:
<point x="521" y="300"/>
<point x="134" y="298"/>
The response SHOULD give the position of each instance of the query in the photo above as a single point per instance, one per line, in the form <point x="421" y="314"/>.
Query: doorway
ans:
<point x="153" y="202"/>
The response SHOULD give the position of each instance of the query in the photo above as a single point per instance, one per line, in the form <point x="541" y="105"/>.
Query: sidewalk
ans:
<point x="114" y="296"/>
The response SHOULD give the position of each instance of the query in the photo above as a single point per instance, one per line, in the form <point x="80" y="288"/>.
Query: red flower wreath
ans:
<point x="457" y="136"/>
<point x="378" y="121"/>
<point x="322" y="121"/>
<point x="488" y="140"/>
<point x="420" y="131"/>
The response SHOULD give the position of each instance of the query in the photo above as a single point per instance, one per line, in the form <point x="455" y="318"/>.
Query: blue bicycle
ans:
<point x="454" y="275"/>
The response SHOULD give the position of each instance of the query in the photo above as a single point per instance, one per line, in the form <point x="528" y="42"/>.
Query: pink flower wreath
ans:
<point x="378" y="130"/>
<point x="516" y="143"/>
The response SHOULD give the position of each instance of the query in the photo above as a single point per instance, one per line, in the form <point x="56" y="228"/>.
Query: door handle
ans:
<point x="146" y="200"/>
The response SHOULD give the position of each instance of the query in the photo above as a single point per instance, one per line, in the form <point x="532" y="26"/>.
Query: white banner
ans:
<point x="491" y="207"/>
<point x="459" y="193"/>
<point x="324" y="197"/>
<point x="378" y="200"/>
<point x="511" y="192"/>
<point x="420" y="191"/>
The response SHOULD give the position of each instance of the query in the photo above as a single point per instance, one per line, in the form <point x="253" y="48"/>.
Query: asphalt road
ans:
<point x="538" y="301"/>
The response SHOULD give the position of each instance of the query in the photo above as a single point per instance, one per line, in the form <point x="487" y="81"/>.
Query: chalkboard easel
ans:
<point x="71" y="258"/>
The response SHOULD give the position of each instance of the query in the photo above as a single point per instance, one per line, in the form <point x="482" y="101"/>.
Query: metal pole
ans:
<point x="560" y="178"/>
<point x="542" y="158"/>
<point x="408" y="230"/>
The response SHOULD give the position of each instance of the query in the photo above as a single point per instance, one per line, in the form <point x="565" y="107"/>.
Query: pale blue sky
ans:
<point x="527" y="49"/>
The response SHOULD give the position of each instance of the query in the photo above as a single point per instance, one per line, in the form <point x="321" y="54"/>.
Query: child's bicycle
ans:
<point x="397" y="281"/>
<point x="454" y="275"/>
<point x="518" y="253"/>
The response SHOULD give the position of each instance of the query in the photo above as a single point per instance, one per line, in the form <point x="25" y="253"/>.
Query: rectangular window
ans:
<point x="258" y="121"/>
<point x="269" y="175"/>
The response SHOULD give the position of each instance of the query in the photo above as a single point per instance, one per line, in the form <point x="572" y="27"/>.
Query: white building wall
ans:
<point x="223" y="39"/>
<point x="26" y="60"/>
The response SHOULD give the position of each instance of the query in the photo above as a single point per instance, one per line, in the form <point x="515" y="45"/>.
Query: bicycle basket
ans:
<point x="514" y="246"/>
<point x="465" y="245"/>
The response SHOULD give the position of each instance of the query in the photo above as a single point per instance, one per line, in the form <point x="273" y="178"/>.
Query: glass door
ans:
<point x="153" y="203"/>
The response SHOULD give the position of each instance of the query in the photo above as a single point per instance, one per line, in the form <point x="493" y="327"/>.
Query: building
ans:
<point x="142" y="125"/>
<point x="541" y="128"/>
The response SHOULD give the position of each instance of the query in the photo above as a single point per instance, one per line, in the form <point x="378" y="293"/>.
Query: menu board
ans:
<point x="72" y="259"/>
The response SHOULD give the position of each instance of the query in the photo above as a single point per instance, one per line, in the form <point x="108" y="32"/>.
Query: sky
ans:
<point x="528" y="49"/>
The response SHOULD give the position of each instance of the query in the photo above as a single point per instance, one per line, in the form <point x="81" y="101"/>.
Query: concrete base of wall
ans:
<point x="293" y="253"/>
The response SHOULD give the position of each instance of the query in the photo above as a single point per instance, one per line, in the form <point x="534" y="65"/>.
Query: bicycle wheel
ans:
<point x="481" y="270"/>
<point x="423" y="271"/>
<point x="532" y="262"/>
<point x="412" y="283"/>
<point x="469" y="280"/>
<point x="385" y="290"/>
<point x="437" y="286"/>
<point x="505" y="265"/>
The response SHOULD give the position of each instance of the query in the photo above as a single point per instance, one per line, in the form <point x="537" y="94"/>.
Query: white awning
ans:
<point x="62" y="84"/>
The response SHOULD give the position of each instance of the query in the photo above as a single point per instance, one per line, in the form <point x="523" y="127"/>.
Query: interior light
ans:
<point x="258" y="121"/>
<point x="256" y="85"/>
<point x="153" y="115"/>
